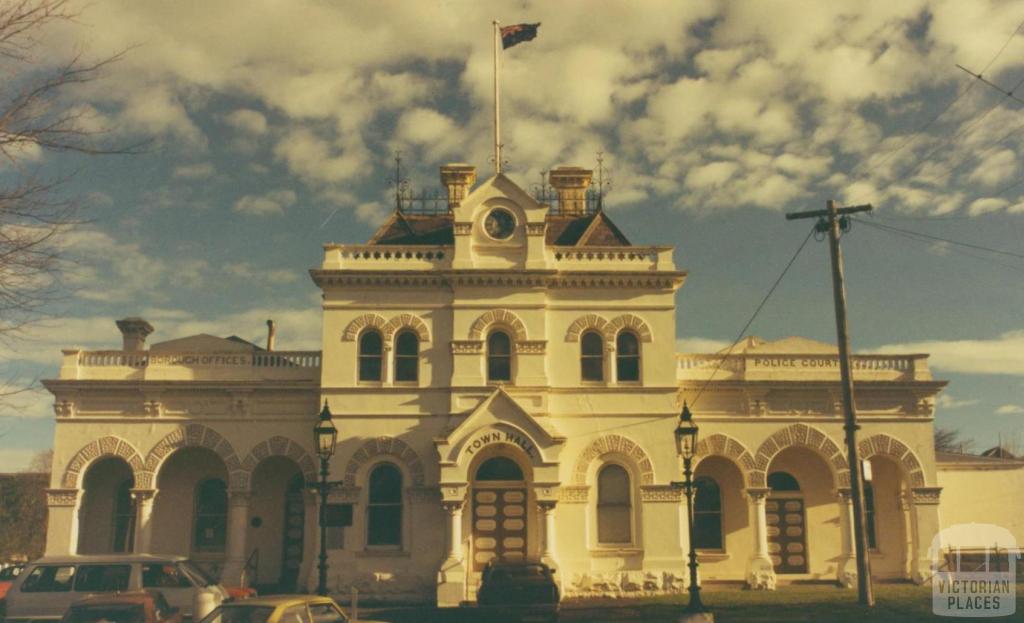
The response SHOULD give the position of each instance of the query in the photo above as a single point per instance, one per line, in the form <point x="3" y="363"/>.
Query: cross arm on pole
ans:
<point x="792" y="216"/>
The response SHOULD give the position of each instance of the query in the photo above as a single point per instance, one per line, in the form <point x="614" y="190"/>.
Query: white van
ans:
<point x="48" y="586"/>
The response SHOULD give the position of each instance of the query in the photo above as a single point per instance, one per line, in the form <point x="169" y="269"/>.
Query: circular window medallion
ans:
<point x="500" y="224"/>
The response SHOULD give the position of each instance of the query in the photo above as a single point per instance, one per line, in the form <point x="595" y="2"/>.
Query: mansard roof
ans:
<point x="563" y="230"/>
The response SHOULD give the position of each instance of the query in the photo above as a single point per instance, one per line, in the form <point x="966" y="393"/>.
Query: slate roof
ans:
<point x="591" y="230"/>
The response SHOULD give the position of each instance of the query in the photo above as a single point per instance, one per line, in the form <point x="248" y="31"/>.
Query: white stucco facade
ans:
<point x="206" y="412"/>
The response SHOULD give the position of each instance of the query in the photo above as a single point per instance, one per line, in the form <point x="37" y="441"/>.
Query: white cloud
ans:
<point x="995" y="169"/>
<point x="16" y="459"/>
<point x="260" y="276"/>
<point x="272" y="203"/>
<point x="248" y="121"/>
<point x="984" y="206"/>
<point x="947" y="401"/>
<point x="198" y="171"/>
<point x="372" y="213"/>
<point x="1009" y="410"/>
<point x="1001" y="355"/>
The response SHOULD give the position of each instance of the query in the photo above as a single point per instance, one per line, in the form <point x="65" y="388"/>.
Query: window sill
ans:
<point x="370" y="383"/>
<point x="407" y="383"/>
<point x="712" y="555"/>
<point x="383" y="553"/>
<point x="615" y="552"/>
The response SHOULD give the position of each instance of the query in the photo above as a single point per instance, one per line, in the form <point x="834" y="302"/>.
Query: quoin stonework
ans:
<point x="504" y="378"/>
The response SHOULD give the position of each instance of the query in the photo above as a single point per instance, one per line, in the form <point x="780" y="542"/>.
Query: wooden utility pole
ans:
<point x="832" y="220"/>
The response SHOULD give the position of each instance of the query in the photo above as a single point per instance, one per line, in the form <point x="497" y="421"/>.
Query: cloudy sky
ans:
<point x="273" y="128"/>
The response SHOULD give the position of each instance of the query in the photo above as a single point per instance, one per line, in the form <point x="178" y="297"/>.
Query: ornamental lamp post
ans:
<point x="686" y="445"/>
<point x="325" y="436"/>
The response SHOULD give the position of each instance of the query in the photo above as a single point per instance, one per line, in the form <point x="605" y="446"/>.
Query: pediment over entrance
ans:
<point x="499" y="421"/>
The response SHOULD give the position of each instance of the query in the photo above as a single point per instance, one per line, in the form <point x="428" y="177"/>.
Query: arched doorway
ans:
<point x="787" y="524"/>
<point x="499" y="514"/>
<point x="191" y="506"/>
<point x="106" y="519"/>
<point x="276" y="523"/>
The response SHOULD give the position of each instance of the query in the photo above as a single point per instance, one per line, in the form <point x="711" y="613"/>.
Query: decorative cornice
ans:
<point x="758" y="494"/>
<point x="467" y="347"/>
<point x="535" y="229"/>
<point x="530" y="347"/>
<point x="660" y="493"/>
<point x="927" y="496"/>
<point x="574" y="494"/>
<point x="61" y="497"/>
<point x="666" y="280"/>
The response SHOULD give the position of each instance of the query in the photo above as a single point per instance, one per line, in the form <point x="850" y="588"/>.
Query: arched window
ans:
<point x="499" y="357"/>
<point x="499" y="468"/>
<point x="707" y="515"/>
<point x="384" y="511"/>
<point x="209" y="529"/>
<point x="869" y="515"/>
<point x="627" y="357"/>
<point x="614" y="505"/>
<point x="407" y="356"/>
<point x="371" y="356"/>
<point x="782" y="481"/>
<point x="592" y="356"/>
<point x="124" y="517"/>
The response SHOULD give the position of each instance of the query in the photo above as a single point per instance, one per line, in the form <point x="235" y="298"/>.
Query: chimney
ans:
<point x="134" y="331"/>
<point x="457" y="178"/>
<point x="271" y="332"/>
<point x="571" y="185"/>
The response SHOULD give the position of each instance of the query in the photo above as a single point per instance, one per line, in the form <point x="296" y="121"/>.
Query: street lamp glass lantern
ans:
<point x="686" y="434"/>
<point x="325" y="434"/>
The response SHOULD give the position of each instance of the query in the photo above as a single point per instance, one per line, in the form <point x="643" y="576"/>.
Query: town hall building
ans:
<point x="504" y="379"/>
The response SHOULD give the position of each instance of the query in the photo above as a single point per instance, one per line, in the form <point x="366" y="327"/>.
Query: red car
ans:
<point x="7" y="575"/>
<point x="134" y="607"/>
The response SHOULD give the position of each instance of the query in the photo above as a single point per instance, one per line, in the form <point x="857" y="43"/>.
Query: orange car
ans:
<point x="134" y="607"/>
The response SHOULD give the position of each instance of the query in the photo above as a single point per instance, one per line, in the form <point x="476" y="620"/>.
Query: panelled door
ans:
<point x="294" y="526"/>
<point x="499" y="525"/>
<point x="787" y="534"/>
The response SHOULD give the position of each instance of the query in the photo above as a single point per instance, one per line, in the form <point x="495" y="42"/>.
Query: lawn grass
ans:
<point x="894" y="602"/>
<point x="815" y="603"/>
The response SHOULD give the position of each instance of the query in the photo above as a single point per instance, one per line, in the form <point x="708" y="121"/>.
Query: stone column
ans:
<point x="62" y="522"/>
<point x="238" y="525"/>
<point x="547" y="545"/>
<point x="454" y="510"/>
<point x="760" y="571"/>
<point x="846" y="570"/>
<point x="925" y="521"/>
<point x="451" y="577"/>
<point x="143" y="499"/>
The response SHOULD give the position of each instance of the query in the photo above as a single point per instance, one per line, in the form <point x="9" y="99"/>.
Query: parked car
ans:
<point x="7" y="576"/>
<point x="281" y="609"/>
<point x="521" y="591"/>
<point x="134" y="607"/>
<point x="48" y="586"/>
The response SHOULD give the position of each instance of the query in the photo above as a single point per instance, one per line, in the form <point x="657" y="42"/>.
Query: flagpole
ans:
<point x="497" y="117"/>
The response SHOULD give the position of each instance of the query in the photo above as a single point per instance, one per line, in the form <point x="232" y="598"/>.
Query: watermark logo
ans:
<point x="974" y="571"/>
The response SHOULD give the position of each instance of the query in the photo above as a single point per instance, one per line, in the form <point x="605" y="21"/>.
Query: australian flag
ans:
<point x="517" y="33"/>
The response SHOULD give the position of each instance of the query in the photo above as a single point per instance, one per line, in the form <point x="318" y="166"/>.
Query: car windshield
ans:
<point x="109" y="613"/>
<point x="199" y="576"/>
<point x="9" y="573"/>
<point x="238" y="613"/>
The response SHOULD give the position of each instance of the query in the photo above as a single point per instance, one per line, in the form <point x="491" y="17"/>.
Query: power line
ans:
<point x="940" y="239"/>
<point x="739" y="337"/>
<point x="931" y="244"/>
<point x="918" y="133"/>
<point x="760" y="306"/>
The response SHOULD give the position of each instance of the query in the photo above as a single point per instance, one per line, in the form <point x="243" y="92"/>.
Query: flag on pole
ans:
<point x="517" y="33"/>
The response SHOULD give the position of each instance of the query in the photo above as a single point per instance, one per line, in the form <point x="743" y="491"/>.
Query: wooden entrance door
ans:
<point x="499" y="525"/>
<point x="787" y="534"/>
<point x="294" y="527"/>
